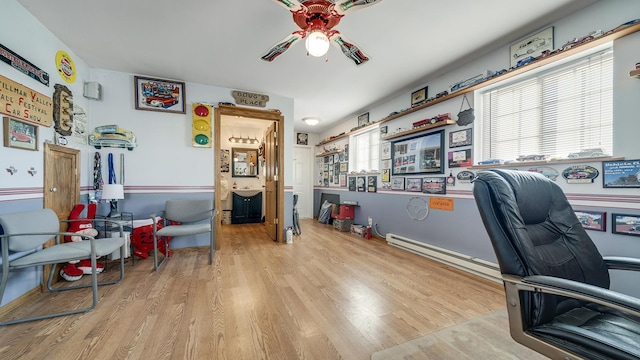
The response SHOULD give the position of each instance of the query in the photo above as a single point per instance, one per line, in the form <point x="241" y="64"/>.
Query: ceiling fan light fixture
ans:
<point x="311" y="121"/>
<point x="317" y="43"/>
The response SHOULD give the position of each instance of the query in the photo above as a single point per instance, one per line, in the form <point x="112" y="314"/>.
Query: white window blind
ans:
<point x="364" y="150"/>
<point x="555" y="112"/>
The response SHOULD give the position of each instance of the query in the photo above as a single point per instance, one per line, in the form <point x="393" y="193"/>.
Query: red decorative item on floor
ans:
<point x="142" y="240"/>
<point x="74" y="270"/>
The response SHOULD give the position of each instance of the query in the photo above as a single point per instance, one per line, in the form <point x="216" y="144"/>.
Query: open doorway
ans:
<point x="273" y="154"/>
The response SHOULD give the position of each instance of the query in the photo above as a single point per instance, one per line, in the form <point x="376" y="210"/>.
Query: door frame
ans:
<point x="269" y="115"/>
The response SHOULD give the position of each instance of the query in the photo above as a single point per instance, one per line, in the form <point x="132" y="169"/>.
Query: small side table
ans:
<point x="117" y="226"/>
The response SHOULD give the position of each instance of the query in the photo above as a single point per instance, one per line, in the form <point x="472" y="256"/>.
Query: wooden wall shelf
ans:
<point x="546" y="162"/>
<point x="329" y="153"/>
<point x="419" y="129"/>
<point x="635" y="73"/>
<point x="534" y="65"/>
<point x="338" y="137"/>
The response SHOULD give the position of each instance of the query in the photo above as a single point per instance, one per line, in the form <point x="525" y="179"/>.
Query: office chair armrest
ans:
<point x="577" y="290"/>
<point x="622" y="263"/>
<point x="57" y="235"/>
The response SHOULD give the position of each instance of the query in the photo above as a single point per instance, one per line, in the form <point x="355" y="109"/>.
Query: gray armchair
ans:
<point x="556" y="282"/>
<point x="194" y="216"/>
<point x="27" y="232"/>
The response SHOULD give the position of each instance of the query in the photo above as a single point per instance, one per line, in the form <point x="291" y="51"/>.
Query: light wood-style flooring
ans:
<point x="329" y="295"/>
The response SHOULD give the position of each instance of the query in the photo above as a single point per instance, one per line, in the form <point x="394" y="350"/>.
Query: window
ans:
<point x="554" y="112"/>
<point x="364" y="150"/>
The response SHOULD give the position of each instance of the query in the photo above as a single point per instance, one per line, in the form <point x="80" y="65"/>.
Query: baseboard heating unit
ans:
<point x="473" y="265"/>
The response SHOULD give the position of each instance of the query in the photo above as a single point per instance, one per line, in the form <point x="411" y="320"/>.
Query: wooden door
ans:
<point x="61" y="182"/>
<point x="271" y="181"/>
<point x="303" y="180"/>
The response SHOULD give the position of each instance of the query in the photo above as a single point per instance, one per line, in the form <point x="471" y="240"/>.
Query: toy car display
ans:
<point x="595" y="152"/>
<point x="491" y="162"/>
<point x="534" y="157"/>
<point x="433" y="120"/>
<point x="112" y="136"/>
<point x="578" y="41"/>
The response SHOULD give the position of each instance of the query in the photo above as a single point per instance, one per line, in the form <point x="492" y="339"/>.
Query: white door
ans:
<point x="303" y="161"/>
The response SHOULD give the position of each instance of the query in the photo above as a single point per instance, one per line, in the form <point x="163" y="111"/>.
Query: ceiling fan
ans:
<point x="316" y="19"/>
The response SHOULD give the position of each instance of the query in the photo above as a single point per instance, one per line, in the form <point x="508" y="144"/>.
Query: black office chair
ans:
<point x="556" y="281"/>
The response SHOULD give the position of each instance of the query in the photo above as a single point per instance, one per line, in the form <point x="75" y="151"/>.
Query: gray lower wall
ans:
<point x="462" y="230"/>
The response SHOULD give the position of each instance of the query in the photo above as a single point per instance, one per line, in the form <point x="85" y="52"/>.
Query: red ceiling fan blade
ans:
<point x="346" y="6"/>
<point x="292" y="5"/>
<point x="282" y="46"/>
<point x="349" y="49"/>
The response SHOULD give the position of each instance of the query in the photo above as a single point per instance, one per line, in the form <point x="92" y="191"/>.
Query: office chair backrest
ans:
<point x="534" y="231"/>
<point x="188" y="211"/>
<point x="37" y="221"/>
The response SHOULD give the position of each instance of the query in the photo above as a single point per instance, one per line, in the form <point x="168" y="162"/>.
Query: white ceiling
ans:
<point x="219" y="43"/>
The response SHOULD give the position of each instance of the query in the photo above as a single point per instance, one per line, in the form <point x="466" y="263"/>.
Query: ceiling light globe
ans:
<point x="311" y="121"/>
<point x="317" y="43"/>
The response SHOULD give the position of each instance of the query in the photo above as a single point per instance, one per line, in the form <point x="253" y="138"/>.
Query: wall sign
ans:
<point x="23" y="65"/>
<point x="20" y="102"/>
<point x="250" y="99"/>
<point x="441" y="203"/>
<point x="66" y="67"/>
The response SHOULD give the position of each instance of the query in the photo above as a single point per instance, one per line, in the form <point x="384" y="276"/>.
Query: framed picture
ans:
<point x="383" y="130"/>
<point x="414" y="184"/>
<point x="352" y="183"/>
<point x="621" y="174"/>
<point x="459" y="158"/>
<point x="343" y="180"/>
<point x="434" y="185"/>
<point x="418" y="155"/>
<point x="159" y="95"/>
<point x="344" y="167"/>
<point x="460" y="138"/>
<point x="372" y="183"/>
<point x="419" y="96"/>
<point x="592" y="220"/>
<point x="385" y="150"/>
<point x="386" y="175"/>
<point x="397" y="183"/>
<point x="363" y="119"/>
<point x="302" y="138"/>
<point x="19" y="134"/>
<point x="625" y="224"/>
<point x="361" y="182"/>
<point x="533" y="46"/>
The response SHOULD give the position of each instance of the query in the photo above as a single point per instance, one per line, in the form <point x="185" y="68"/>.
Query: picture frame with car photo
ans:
<point x="19" y="134"/>
<point x="625" y="224"/>
<point x="159" y="95"/>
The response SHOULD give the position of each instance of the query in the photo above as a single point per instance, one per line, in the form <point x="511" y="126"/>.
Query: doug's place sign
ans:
<point x="250" y="99"/>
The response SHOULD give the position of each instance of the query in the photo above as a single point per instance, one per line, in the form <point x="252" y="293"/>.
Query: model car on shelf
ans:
<point x="523" y="62"/>
<point x="112" y="136"/>
<point x="441" y="94"/>
<point x="433" y="120"/>
<point x="534" y="157"/>
<point x="578" y="41"/>
<point x="595" y="152"/>
<point x="491" y="162"/>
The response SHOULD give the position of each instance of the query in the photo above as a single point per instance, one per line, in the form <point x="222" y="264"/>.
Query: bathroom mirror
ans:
<point x="245" y="162"/>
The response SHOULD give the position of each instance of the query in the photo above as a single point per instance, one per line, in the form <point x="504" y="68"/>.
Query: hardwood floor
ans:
<point x="329" y="295"/>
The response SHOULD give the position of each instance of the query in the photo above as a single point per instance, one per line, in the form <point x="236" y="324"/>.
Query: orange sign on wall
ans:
<point x="441" y="203"/>
<point x="20" y="102"/>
